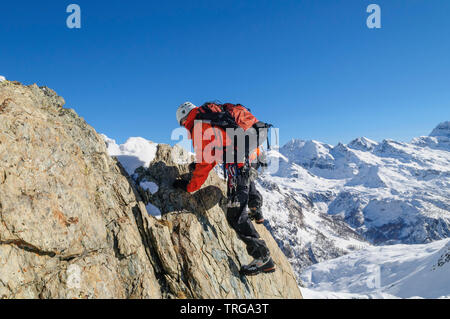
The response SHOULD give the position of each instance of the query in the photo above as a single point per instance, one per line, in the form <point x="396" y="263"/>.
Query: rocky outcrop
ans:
<point x="74" y="225"/>
<point x="198" y="252"/>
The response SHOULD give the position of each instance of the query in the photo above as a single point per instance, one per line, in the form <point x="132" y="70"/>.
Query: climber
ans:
<point x="209" y="126"/>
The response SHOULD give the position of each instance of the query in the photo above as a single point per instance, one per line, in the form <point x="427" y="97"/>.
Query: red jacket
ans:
<point x="208" y="144"/>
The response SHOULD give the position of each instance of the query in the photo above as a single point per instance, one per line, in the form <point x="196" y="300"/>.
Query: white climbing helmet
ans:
<point x="184" y="110"/>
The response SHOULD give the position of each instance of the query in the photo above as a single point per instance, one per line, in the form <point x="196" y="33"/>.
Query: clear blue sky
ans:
<point x="311" y="67"/>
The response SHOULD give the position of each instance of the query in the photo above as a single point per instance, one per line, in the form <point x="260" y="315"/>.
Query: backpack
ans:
<point x="235" y="116"/>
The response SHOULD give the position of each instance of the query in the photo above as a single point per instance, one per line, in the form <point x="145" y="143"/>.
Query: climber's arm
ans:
<point x="204" y="153"/>
<point x="199" y="176"/>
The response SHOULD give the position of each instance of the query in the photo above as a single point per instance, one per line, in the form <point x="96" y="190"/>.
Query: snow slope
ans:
<point x="397" y="271"/>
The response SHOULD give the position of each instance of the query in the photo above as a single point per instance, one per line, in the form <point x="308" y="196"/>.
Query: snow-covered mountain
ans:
<point x="389" y="192"/>
<point x="136" y="152"/>
<point x="325" y="201"/>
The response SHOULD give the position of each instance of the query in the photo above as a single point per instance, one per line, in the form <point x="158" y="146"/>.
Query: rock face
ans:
<point x="199" y="254"/>
<point x="67" y="225"/>
<point x="74" y="225"/>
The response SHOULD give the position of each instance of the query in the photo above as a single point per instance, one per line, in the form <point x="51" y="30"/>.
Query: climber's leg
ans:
<point x="255" y="202"/>
<point x="241" y="223"/>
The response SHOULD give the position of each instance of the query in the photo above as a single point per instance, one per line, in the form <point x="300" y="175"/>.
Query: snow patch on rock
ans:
<point x="150" y="186"/>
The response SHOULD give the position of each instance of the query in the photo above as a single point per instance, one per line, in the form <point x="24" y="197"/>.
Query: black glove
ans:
<point x="181" y="184"/>
<point x="192" y="167"/>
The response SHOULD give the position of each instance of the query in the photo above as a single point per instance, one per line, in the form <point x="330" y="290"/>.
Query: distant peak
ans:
<point x="296" y="141"/>
<point x="442" y="129"/>
<point x="362" y="144"/>
<point x="2" y="78"/>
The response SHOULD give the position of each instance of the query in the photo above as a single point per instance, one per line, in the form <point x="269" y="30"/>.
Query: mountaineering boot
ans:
<point x="256" y="215"/>
<point x="257" y="266"/>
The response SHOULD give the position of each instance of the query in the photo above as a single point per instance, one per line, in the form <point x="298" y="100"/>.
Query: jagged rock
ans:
<point x="73" y="225"/>
<point x="200" y="254"/>
<point x="67" y="225"/>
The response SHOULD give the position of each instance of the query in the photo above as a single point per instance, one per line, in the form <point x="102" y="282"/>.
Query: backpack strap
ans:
<point x="222" y="119"/>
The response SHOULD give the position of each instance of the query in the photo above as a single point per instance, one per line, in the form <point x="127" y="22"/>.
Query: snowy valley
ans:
<point x="397" y="271"/>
